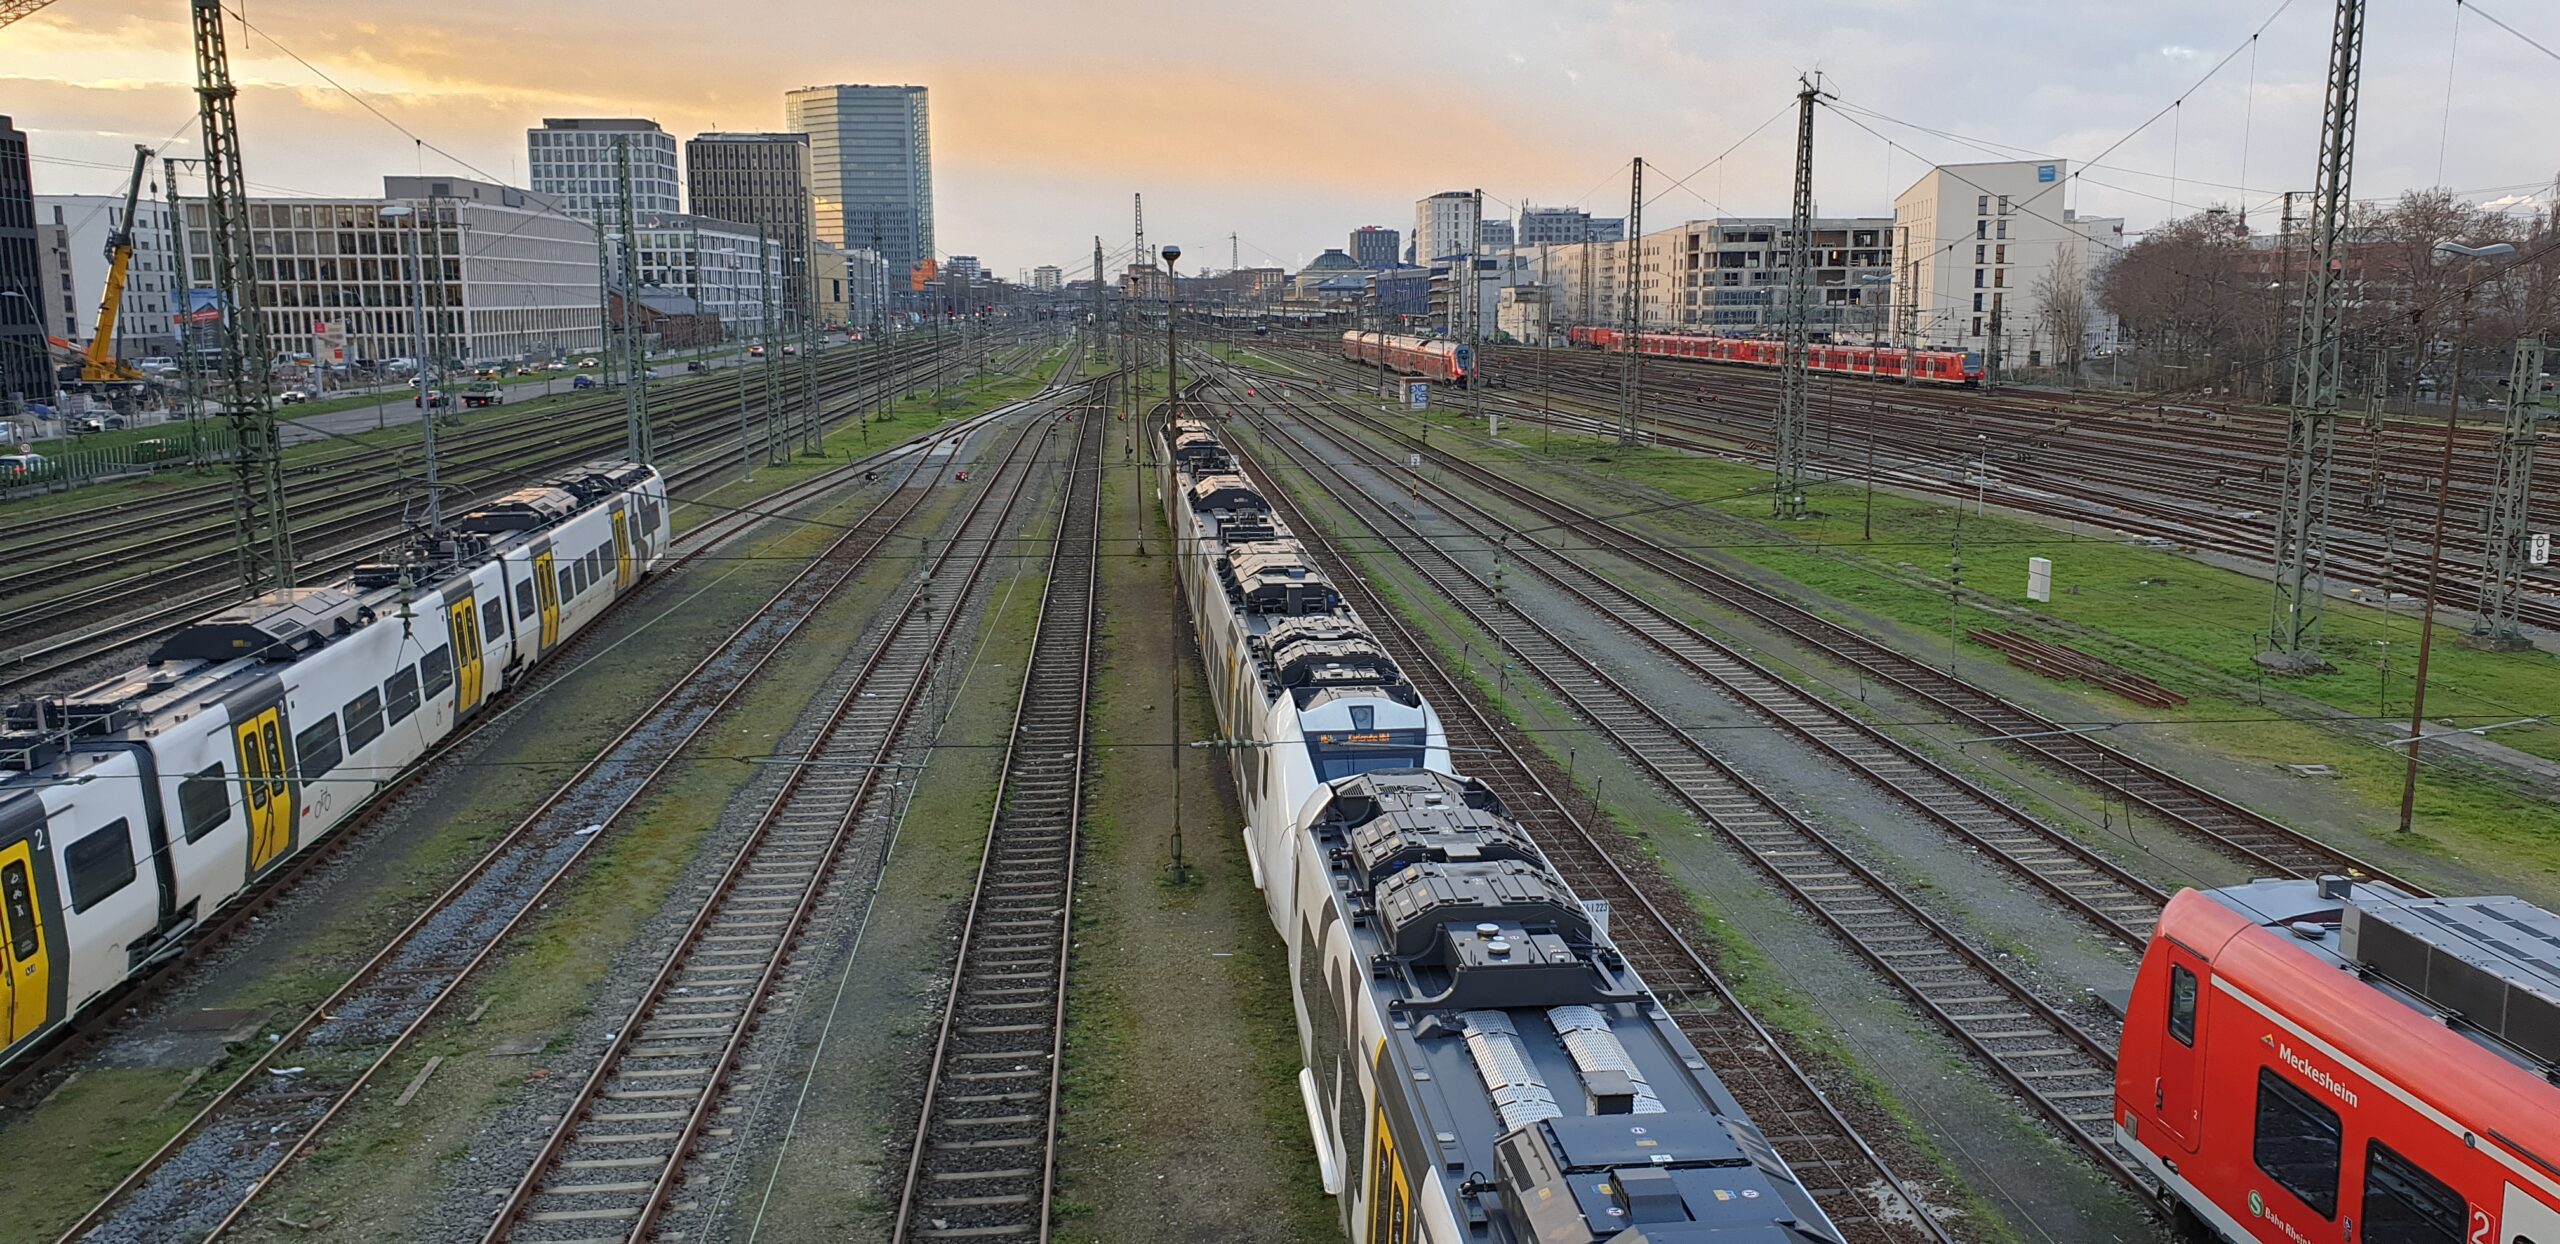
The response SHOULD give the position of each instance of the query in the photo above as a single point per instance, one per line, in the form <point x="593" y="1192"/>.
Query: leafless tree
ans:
<point x="2062" y="296"/>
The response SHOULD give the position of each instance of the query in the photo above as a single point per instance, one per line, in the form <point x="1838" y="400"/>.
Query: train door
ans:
<point x="265" y="785"/>
<point x="546" y="594"/>
<point x="466" y="654"/>
<point x="29" y="987"/>
<point x="2524" y="1219"/>
<point x="2177" y="1092"/>
<point x="621" y="552"/>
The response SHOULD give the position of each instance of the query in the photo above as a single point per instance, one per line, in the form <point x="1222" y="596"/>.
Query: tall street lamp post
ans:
<point x="2478" y="256"/>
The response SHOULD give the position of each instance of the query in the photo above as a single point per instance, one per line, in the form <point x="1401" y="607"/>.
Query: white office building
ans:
<point x="1978" y="245"/>
<point x="71" y="233"/>
<point x="720" y="264"/>
<point x="1046" y="277"/>
<point x="1729" y="276"/>
<point x="505" y="274"/>
<point x="1446" y="224"/>
<point x="571" y="160"/>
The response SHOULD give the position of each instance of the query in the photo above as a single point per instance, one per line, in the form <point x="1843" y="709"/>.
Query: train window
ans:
<point x="524" y="599"/>
<point x="2182" y="1005"/>
<point x="568" y="585"/>
<point x="315" y="747"/>
<point x="275" y="761"/>
<point x="493" y="618"/>
<point x="435" y="670"/>
<point x="100" y="864"/>
<point x="2297" y="1144"/>
<point x="23" y="942"/>
<point x="400" y="694"/>
<point x="363" y="715"/>
<point x="2403" y="1204"/>
<point x="204" y="801"/>
<point x="1341" y="755"/>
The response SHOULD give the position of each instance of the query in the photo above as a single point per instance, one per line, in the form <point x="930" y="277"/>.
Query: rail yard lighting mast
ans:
<point x="2478" y="257"/>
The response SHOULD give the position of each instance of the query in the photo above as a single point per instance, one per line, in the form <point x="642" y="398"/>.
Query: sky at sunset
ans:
<point x="1289" y="123"/>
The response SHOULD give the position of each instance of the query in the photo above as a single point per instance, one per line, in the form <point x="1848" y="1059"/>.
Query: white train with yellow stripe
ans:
<point x="1480" y="1063"/>
<point x="134" y="809"/>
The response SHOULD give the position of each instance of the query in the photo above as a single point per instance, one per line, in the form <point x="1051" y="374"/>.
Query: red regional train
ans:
<point x="2324" y="1061"/>
<point x="1447" y="361"/>
<point x="1961" y="368"/>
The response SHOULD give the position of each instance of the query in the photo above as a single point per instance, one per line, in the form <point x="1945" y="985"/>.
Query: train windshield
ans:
<point x="1339" y="754"/>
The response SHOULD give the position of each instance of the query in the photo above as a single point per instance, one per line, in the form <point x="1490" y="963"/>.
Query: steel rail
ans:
<point x="682" y="712"/>
<point x="983" y="1161"/>
<point x="2063" y="1070"/>
<point x="1798" y="1116"/>
<point x="770" y="887"/>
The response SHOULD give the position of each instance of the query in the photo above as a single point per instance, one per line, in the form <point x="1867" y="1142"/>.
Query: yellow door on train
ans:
<point x="266" y="787"/>
<point x="466" y="654"/>
<point x="621" y="552"/>
<point x="30" y="966"/>
<point x="546" y="594"/>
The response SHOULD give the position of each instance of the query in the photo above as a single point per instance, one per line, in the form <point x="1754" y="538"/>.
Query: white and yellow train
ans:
<point x="133" y="810"/>
<point x="1481" y="1065"/>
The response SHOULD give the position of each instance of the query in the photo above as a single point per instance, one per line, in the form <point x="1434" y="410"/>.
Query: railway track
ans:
<point x="1844" y="1171"/>
<point x="2062" y="1067"/>
<point x="204" y="1177"/>
<point x="983" y="1164"/>
<point x="698" y="450"/>
<point x="2209" y="487"/>
<point x="2113" y="900"/>
<point x="615" y="1161"/>
<point x="2250" y="839"/>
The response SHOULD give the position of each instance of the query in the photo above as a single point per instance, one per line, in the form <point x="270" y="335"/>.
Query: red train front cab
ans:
<point x="2306" y="1062"/>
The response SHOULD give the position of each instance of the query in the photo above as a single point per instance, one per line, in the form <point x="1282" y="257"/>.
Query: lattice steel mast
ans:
<point x="635" y="392"/>
<point x="1786" y="488"/>
<point x="264" y="542"/>
<point x="1631" y="365"/>
<point x="2302" y="519"/>
<point x="2502" y="588"/>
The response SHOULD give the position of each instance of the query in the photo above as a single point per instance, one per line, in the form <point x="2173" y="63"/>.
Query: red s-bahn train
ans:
<point x="1961" y="368"/>
<point x="2323" y="1061"/>
<point x="1450" y="362"/>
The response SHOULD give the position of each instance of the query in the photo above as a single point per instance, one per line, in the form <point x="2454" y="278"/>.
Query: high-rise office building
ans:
<point x="571" y="160"/>
<point x="1446" y="224"/>
<point x="1375" y="247"/>
<point x="25" y="370"/>
<point x="870" y="168"/>
<point x="761" y="180"/>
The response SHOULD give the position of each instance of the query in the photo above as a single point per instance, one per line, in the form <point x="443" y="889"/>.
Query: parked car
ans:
<point x="157" y="364"/>
<point x="19" y="466"/>
<point x="293" y="397"/>
<point x="583" y="382"/>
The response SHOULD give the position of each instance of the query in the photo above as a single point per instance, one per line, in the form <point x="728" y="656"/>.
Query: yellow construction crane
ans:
<point x="102" y="365"/>
<point x="12" y="10"/>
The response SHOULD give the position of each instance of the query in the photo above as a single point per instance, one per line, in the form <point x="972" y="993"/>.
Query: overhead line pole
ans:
<point x="1631" y="367"/>
<point x="1786" y="488"/>
<point x="635" y="354"/>
<point x="263" y="540"/>
<point x="2302" y="518"/>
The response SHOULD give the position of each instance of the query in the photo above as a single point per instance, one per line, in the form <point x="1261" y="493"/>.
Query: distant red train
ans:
<point x="1450" y="362"/>
<point x="2318" y="1061"/>
<point x="1961" y="368"/>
